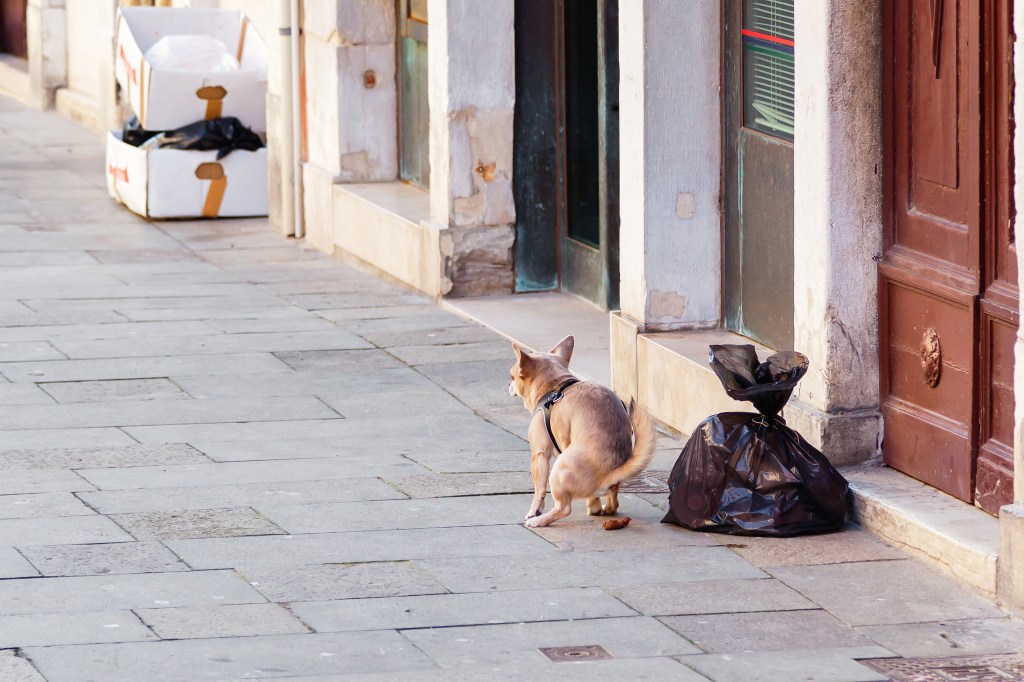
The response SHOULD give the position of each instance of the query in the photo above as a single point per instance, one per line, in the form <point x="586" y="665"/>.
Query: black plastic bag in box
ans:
<point x="223" y="134"/>
<point x="749" y="474"/>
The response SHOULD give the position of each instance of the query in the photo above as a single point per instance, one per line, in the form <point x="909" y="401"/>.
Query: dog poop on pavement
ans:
<point x="747" y="473"/>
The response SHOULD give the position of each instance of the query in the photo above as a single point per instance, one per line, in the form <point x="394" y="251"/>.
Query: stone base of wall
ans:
<point x="1010" y="576"/>
<point x="80" y="109"/>
<point x="845" y="438"/>
<point x="478" y="260"/>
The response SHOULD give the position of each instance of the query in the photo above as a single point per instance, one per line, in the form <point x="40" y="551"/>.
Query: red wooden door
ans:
<point x="12" y="27"/>
<point x="947" y="291"/>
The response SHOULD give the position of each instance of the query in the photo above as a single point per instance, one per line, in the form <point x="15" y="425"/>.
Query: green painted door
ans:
<point x="413" y="107"/>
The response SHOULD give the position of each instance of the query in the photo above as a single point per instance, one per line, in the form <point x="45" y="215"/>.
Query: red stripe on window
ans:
<point x="765" y="36"/>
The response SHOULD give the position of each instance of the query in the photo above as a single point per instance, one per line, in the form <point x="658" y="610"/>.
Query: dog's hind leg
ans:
<point x="540" y="464"/>
<point x="611" y="501"/>
<point x="562" y="508"/>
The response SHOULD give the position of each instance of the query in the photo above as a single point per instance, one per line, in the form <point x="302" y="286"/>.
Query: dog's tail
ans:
<point x="645" y="440"/>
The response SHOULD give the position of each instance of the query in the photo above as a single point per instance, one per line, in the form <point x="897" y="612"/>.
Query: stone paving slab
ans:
<point x="100" y="457"/>
<point x="640" y="669"/>
<point x="234" y="658"/>
<point x="221" y="344"/>
<point x="332" y="582"/>
<point x="836" y="665"/>
<point x="635" y="637"/>
<point x="414" y="402"/>
<point x="384" y="514"/>
<point x="457" y="485"/>
<point x="103" y="559"/>
<point x="221" y="473"/>
<point x="711" y="596"/>
<point x="885" y="592"/>
<point x="246" y="495"/>
<point x="766" y="631"/>
<point x="230" y="620"/>
<point x="65" y="530"/>
<point x="335" y="380"/>
<point x="14" y="565"/>
<point x="447" y="335"/>
<point x="587" y="533"/>
<point x="54" y="629"/>
<point x="415" y="355"/>
<point x="113" y="592"/>
<point x="116" y="390"/>
<point x="14" y="668"/>
<point x="377" y="313"/>
<point x="63" y="438"/>
<point x="156" y="412"/>
<point x="852" y="544"/>
<point x="116" y="330"/>
<point x="354" y="300"/>
<point x="363" y="461"/>
<point x="28" y="351"/>
<point x="627" y="567"/>
<point x="446" y="610"/>
<point x="42" y="504"/>
<point x="141" y="368"/>
<point x="363" y="546"/>
<point x="23" y="394"/>
<point x="15" y="481"/>
<point x="195" y="523"/>
<point x="250" y="326"/>
<point x="398" y="435"/>
<point x="485" y="461"/>
<point x="951" y="638"/>
<point x="327" y="360"/>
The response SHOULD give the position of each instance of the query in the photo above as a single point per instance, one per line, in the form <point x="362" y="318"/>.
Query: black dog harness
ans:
<point x="550" y="399"/>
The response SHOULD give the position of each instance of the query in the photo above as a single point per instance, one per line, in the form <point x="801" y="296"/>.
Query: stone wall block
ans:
<point x="479" y="260"/>
<point x="323" y="115"/>
<point x="46" y="29"/>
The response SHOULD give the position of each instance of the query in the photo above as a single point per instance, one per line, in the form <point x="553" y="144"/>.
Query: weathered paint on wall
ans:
<point x="838" y="223"/>
<point x="670" y="127"/>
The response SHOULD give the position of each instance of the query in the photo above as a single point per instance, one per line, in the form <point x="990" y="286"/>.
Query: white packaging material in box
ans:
<point x="178" y="93"/>
<point x="180" y="183"/>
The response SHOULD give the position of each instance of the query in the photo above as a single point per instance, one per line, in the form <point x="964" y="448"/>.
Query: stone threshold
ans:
<point x="669" y="374"/>
<point x="14" y="78"/>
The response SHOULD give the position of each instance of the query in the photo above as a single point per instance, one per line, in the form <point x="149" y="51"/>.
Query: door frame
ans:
<point x="555" y="259"/>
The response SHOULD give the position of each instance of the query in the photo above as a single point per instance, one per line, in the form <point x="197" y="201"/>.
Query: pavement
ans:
<point x="225" y="456"/>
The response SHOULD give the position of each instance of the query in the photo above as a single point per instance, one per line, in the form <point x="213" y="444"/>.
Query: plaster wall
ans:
<point x="90" y="93"/>
<point x="670" y="163"/>
<point x="1010" y="579"/>
<point x="471" y="56"/>
<point x="351" y="92"/>
<point x="837" y="229"/>
<point x="45" y="27"/>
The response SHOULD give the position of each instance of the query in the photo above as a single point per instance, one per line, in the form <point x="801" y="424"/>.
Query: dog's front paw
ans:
<point x="533" y="522"/>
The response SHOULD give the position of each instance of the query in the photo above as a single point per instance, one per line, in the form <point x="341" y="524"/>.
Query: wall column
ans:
<point x="837" y="230"/>
<point x="670" y="165"/>
<point x="1010" y="577"/>
<point x="45" y="28"/>
<point x="471" y="61"/>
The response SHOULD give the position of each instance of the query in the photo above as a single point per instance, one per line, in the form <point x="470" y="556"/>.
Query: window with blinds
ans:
<point x="768" y="76"/>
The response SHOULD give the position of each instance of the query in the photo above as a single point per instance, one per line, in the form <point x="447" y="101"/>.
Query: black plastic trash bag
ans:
<point x="749" y="474"/>
<point x="223" y="134"/>
<point x="134" y="134"/>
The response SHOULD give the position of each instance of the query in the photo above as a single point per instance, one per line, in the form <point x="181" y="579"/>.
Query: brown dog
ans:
<point x="590" y="425"/>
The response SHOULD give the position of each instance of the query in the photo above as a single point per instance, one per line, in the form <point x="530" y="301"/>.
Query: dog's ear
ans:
<point x="523" y="359"/>
<point x="564" y="348"/>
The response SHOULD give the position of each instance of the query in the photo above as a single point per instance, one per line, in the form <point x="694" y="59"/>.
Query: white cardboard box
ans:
<point x="178" y="183"/>
<point x="165" y="99"/>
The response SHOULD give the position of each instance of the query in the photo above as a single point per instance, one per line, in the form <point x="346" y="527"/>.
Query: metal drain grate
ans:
<point x="648" y="482"/>
<point x="1001" y="668"/>
<point x="591" y="652"/>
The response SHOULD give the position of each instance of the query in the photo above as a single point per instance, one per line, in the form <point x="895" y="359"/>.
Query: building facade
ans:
<point x="833" y="176"/>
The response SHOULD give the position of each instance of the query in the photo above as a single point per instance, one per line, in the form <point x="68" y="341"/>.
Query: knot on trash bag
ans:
<point x="767" y="384"/>
<point x="224" y="134"/>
